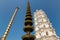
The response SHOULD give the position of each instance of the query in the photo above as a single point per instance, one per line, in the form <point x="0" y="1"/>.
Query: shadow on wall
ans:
<point x="0" y="38"/>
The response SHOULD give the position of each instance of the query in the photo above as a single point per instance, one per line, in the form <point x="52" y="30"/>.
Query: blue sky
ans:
<point x="7" y="7"/>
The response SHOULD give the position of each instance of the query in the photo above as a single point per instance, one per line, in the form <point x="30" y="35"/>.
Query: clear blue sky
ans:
<point x="7" y="7"/>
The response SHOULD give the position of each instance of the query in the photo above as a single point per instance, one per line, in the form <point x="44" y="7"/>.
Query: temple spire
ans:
<point x="28" y="24"/>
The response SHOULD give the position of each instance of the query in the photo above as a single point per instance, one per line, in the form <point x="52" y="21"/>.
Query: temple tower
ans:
<point x="10" y="23"/>
<point x="43" y="27"/>
<point x="28" y="25"/>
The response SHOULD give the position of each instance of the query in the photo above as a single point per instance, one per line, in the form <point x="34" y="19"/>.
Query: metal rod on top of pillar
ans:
<point x="10" y="23"/>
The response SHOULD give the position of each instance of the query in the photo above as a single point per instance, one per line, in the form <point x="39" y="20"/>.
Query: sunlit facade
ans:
<point x="43" y="27"/>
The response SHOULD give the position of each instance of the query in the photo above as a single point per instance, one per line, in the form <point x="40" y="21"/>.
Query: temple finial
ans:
<point x="28" y="28"/>
<point x="28" y="7"/>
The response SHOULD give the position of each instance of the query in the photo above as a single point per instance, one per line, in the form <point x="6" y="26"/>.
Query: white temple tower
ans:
<point x="43" y="27"/>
